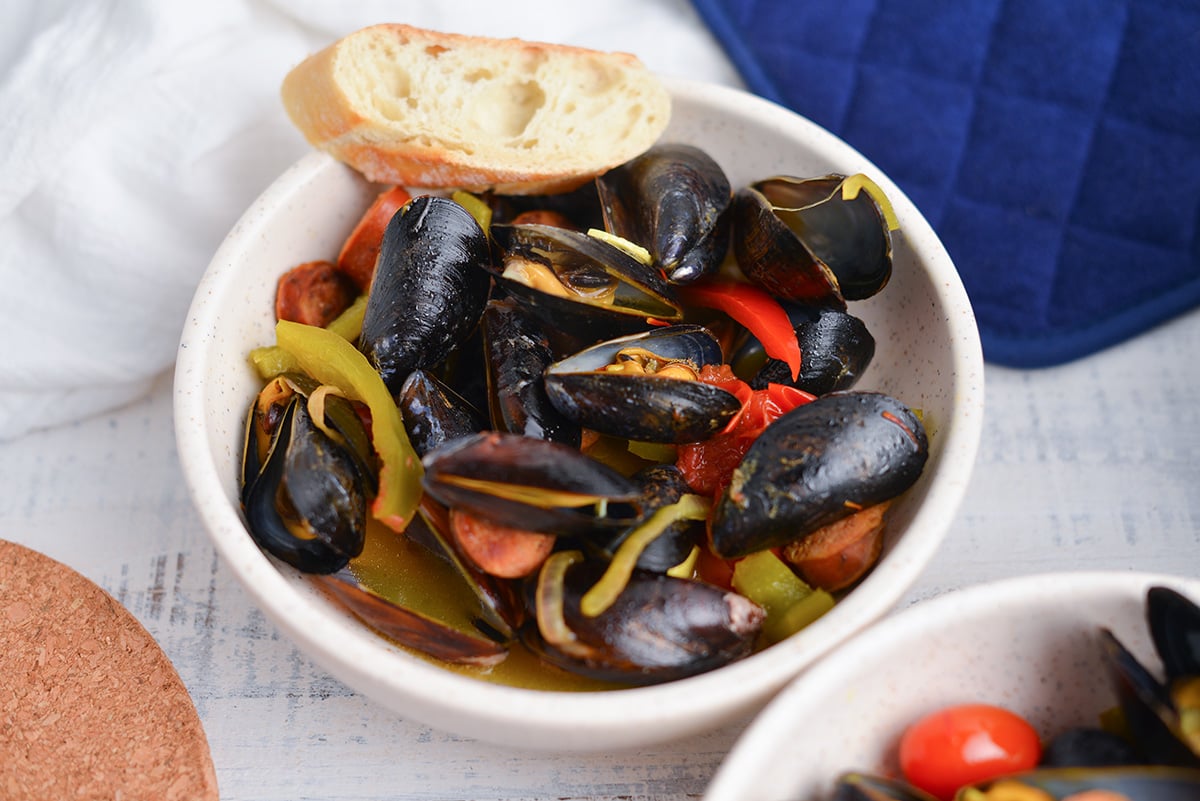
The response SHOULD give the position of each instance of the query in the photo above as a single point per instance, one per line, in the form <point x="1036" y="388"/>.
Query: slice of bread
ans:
<point x="421" y="108"/>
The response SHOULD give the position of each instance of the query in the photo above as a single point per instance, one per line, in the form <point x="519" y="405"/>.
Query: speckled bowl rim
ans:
<point x="741" y="774"/>
<point x="614" y="719"/>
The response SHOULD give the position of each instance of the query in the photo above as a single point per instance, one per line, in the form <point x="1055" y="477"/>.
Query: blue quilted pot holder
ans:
<point x="1053" y="144"/>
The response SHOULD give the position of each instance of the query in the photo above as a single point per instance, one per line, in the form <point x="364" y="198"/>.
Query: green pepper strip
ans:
<point x="271" y="360"/>
<point x="753" y="308"/>
<point x="330" y="359"/>
<point x="604" y="592"/>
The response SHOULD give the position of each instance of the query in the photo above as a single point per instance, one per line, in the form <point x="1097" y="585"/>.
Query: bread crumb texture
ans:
<point x="406" y="105"/>
<point x="90" y="706"/>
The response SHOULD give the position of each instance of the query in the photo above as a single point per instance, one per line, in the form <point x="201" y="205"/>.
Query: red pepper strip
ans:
<point x="755" y="309"/>
<point x="332" y="360"/>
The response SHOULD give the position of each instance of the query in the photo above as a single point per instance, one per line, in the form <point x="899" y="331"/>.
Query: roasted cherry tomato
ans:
<point x="966" y="744"/>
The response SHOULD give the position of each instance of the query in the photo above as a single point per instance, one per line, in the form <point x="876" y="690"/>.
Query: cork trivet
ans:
<point x="90" y="706"/>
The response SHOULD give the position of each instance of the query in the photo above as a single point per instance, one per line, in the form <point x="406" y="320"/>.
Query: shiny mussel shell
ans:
<point x="409" y="627"/>
<point x="815" y="465"/>
<point x="659" y="628"/>
<point x="579" y="284"/>
<point x="672" y="201"/>
<point x="836" y="346"/>
<point x="530" y="483"/>
<point x="434" y="413"/>
<point x="803" y="241"/>
<point x="430" y="287"/>
<point x="308" y="503"/>
<point x="1158" y="714"/>
<point x="601" y="388"/>
<point x="518" y="353"/>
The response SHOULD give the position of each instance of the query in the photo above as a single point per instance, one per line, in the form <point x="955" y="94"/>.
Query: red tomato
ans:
<point x="966" y="744"/>
<point x="707" y="465"/>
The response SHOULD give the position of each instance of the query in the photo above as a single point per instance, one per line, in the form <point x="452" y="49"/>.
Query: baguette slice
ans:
<point x="420" y="108"/>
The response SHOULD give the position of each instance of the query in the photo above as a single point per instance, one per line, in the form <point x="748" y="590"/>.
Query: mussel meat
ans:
<point x="644" y="386"/>
<point x="579" y="285"/>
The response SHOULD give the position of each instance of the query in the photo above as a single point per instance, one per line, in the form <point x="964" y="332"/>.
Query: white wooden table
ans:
<point x="1085" y="466"/>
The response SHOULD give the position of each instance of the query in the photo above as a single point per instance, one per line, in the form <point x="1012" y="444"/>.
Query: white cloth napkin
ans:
<point x="135" y="132"/>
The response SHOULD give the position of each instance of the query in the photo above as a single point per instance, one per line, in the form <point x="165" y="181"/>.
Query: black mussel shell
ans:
<point x="434" y="413"/>
<point x="1140" y="783"/>
<point x="518" y="353"/>
<point x="659" y="629"/>
<point x="663" y="485"/>
<point x="815" y="465"/>
<point x="836" y="349"/>
<point x="1088" y="747"/>
<point x="854" y="786"/>
<point x="646" y="408"/>
<point x="580" y="207"/>
<point x="502" y="607"/>
<point x="607" y="291"/>
<point x="409" y="627"/>
<point x="802" y="241"/>
<point x="531" y="484"/>
<point x="671" y="200"/>
<point x="430" y="287"/>
<point x="1147" y="707"/>
<point x="308" y="504"/>
<point x="1175" y="628"/>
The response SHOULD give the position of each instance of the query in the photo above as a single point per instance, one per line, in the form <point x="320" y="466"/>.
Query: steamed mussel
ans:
<point x="555" y="433"/>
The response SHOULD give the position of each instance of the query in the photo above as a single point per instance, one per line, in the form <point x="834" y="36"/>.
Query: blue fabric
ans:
<point x="1054" y="145"/>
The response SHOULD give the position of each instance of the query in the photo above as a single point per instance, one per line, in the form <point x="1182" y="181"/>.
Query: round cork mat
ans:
<point x="90" y="706"/>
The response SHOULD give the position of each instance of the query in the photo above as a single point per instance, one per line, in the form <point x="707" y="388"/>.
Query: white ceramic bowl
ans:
<point x="928" y="355"/>
<point x="1028" y="644"/>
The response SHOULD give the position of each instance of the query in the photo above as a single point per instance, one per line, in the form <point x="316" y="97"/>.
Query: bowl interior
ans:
<point x="1029" y="644"/>
<point x="928" y="356"/>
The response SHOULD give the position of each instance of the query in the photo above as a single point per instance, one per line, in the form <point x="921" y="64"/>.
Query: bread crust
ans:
<point x="571" y="113"/>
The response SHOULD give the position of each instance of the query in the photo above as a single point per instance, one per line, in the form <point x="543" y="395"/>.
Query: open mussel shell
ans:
<point x="579" y="285"/>
<point x="532" y="484"/>
<point x="1137" y="783"/>
<point x="430" y="287"/>
<point x="660" y="628"/>
<point x="671" y="200"/>
<point x="836" y="346"/>
<point x="613" y="388"/>
<point x="1174" y="622"/>
<point x="409" y="627"/>
<point x="518" y="353"/>
<point x="815" y="465"/>
<point x="307" y="505"/>
<point x="803" y="241"/>
<point x="1149" y="712"/>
